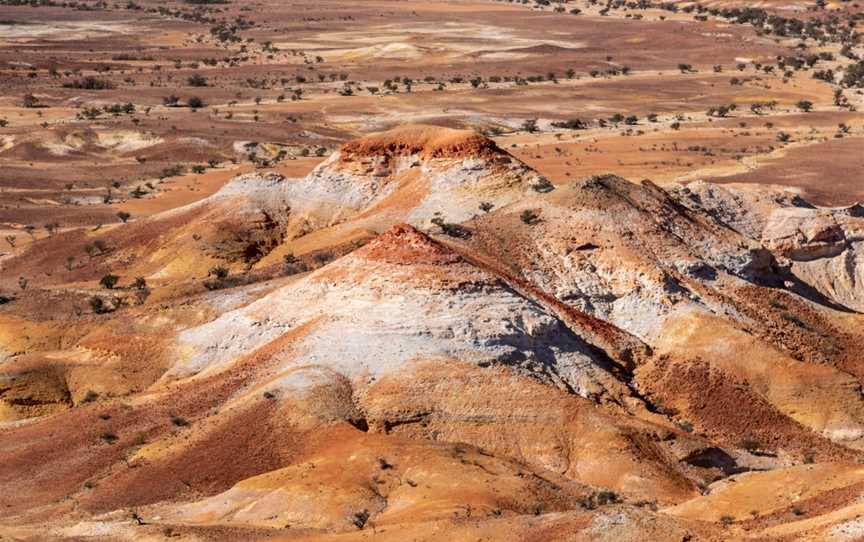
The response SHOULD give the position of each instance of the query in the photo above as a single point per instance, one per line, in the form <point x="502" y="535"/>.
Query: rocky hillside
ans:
<point x="424" y="339"/>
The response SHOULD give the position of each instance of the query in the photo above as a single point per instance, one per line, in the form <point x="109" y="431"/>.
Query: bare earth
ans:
<point x="431" y="270"/>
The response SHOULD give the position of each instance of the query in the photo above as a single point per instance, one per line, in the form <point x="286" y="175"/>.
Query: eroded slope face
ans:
<point x="820" y="246"/>
<point x="629" y="254"/>
<point x="402" y="297"/>
<point x="711" y="302"/>
<point x="824" y="249"/>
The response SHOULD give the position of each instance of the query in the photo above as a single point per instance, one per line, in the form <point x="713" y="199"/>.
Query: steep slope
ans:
<point x="820" y="246"/>
<point x="695" y="291"/>
<point x="824" y="248"/>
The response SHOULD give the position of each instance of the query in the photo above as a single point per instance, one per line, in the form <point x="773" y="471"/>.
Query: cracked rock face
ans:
<point x="825" y="249"/>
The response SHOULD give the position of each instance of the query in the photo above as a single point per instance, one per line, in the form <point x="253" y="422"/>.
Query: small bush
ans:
<point x="530" y="217"/>
<point x="179" y="421"/>
<point x="109" y="281"/>
<point x="599" y="498"/>
<point x="220" y="272"/>
<point x="360" y="518"/>
<point x="749" y="444"/>
<point x="197" y="80"/>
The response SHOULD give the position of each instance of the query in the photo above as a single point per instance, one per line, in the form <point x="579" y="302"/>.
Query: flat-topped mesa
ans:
<point x="411" y="174"/>
<point x="424" y="142"/>
<point x="435" y="149"/>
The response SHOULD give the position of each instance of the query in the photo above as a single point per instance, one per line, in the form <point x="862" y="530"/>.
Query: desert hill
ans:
<point x="411" y="174"/>
<point x="479" y="351"/>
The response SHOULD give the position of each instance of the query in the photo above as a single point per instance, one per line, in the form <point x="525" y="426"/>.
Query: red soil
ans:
<point x="403" y="244"/>
<point x="425" y="141"/>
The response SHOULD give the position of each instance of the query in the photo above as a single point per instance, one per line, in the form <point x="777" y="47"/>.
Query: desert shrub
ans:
<point x="109" y="281"/>
<point x="179" y="421"/>
<point x="749" y="444"/>
<point x="98" y="305"/>
<point x="529" y="216"/>
<point x="196" y="80"/>
<point x="30" y="101"/>
<point x="572" y="124"/>
<point x="219" y="276"/>
<point x="360" y="518"/>
<point x="220" y="272"/>
<point x="90" y="83"/>
<point x="292" y="265"/>
<point x="453" y="230"/>
<point x="599" y="498"/>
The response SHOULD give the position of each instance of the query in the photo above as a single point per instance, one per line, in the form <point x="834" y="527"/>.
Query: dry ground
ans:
<point x="63" y="170"/>
<point x="656" y="94"/>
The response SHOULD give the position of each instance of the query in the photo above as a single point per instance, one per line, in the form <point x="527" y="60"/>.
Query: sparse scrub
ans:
<point x="90" y="83"/>
<point x="530" y="217"/>
<point x="109" y="281"/>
